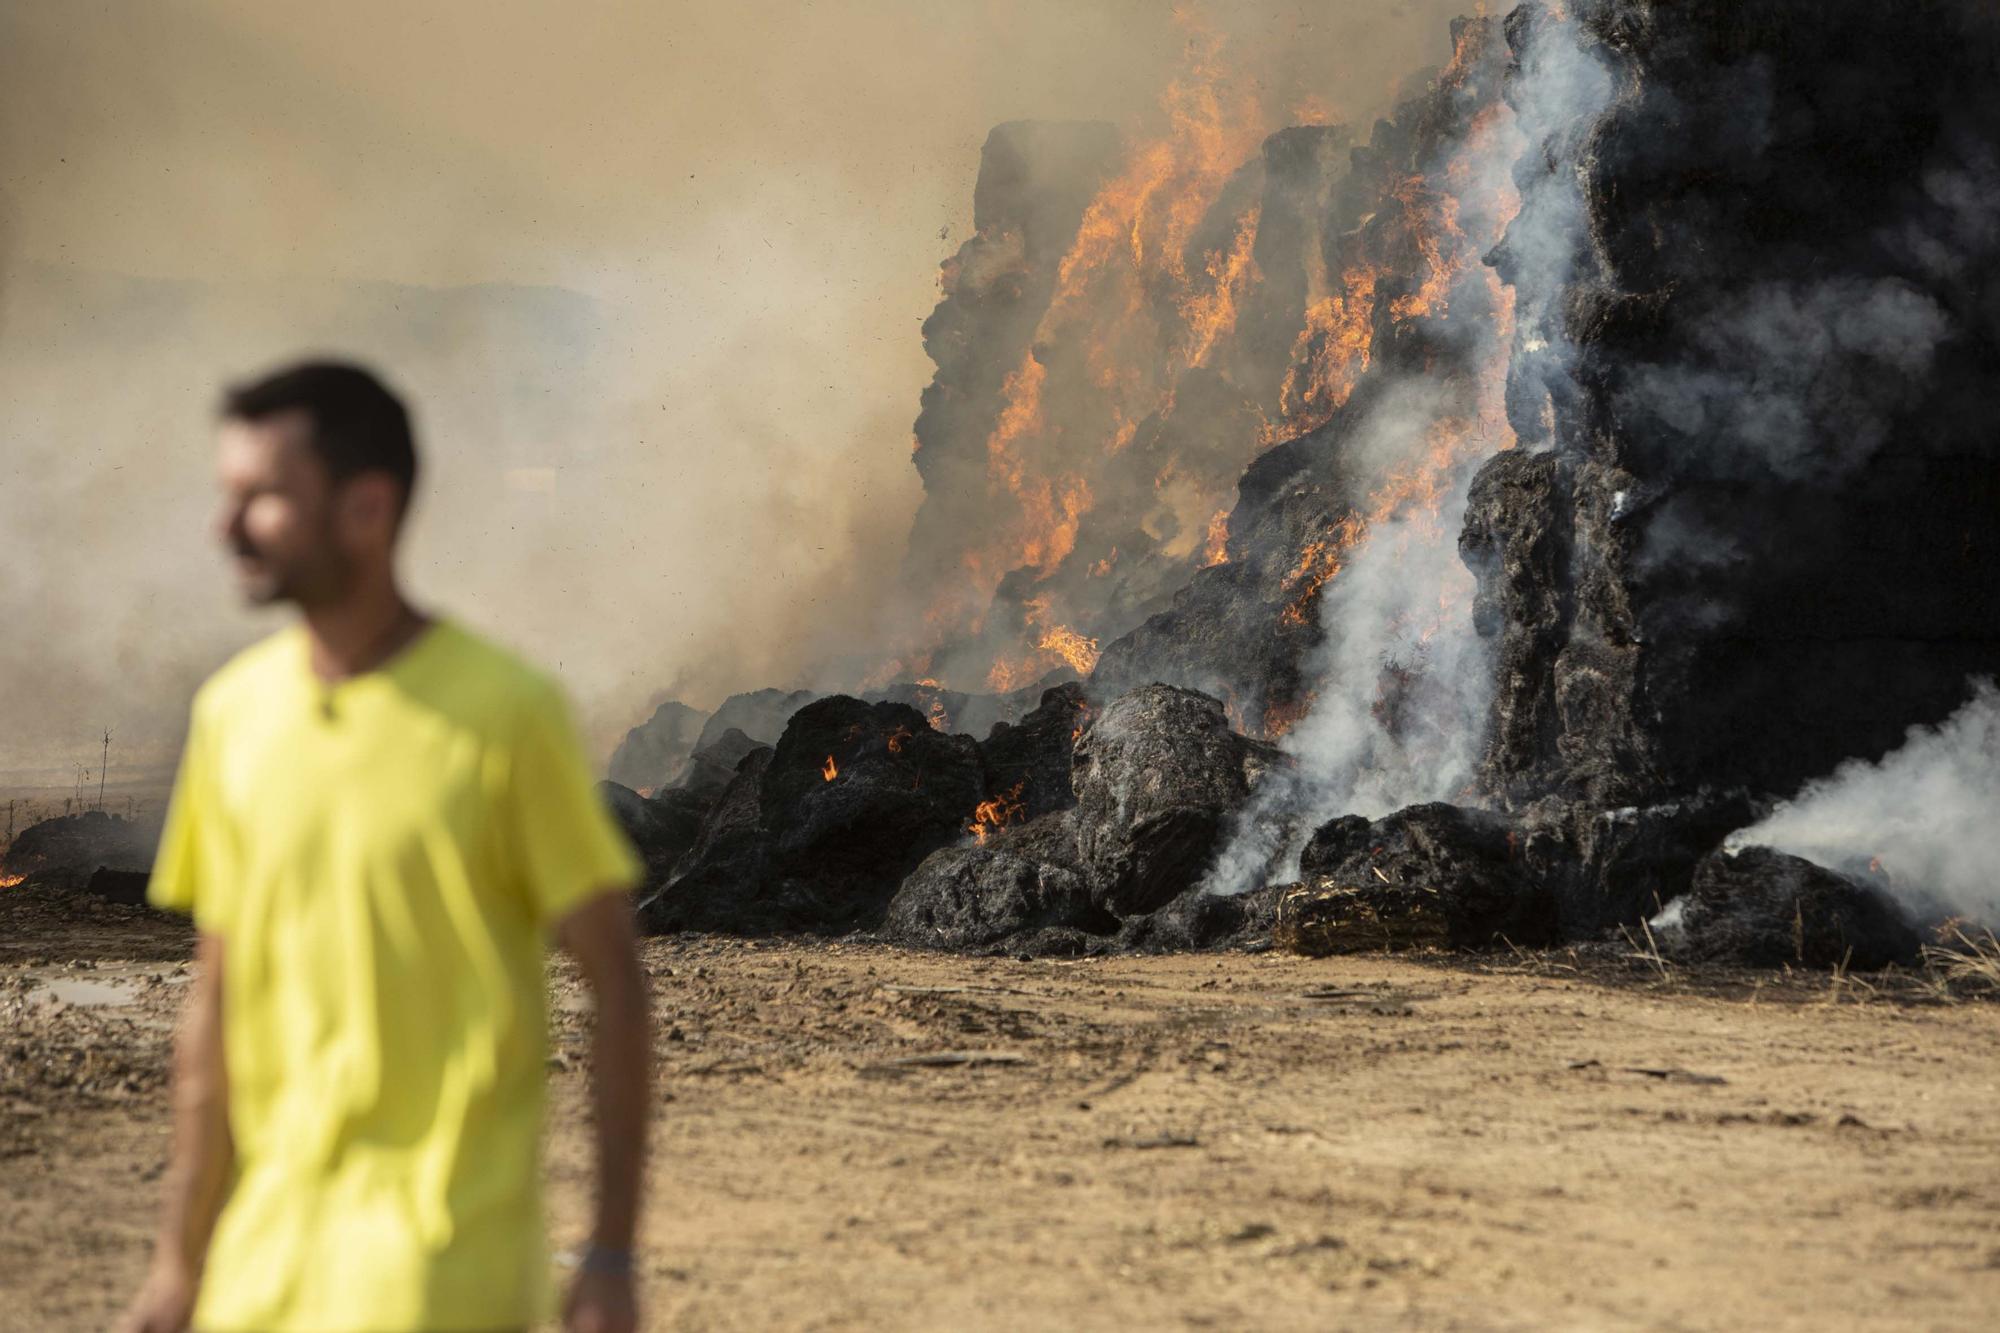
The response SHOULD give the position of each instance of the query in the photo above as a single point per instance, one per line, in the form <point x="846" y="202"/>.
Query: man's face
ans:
<point x="281" y="512"/>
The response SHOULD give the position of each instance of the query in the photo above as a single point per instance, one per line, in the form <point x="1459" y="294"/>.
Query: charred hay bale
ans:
<point x="852" y="798"/>
<point x="71" y="847"/>
<point x="1433" y="875"/>
<point x="1516" y="541"/>
<point x="866" y="789"/>
<point x="662" y="828"/>
<point x="1030" y="761"/>
<point x="1050" y="838"/>
<point x="1199" y="919"/>
<point x="657" y="748"/>
<point x="970" y="897"/>
<point x="1763" y="908"/>
<point x="119" y="886"/>
<point x="715" y="884"/>
<point x="709" y="769"/>
<point x="1157" y="775"/>
<point x="758" y="714"/>
<point x="1613" y="868"/>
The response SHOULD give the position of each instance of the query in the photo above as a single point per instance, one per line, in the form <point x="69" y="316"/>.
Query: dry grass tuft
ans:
<point x="1965" y="961"/>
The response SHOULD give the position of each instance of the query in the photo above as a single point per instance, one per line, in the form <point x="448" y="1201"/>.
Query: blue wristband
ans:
<point x="603" y="1259"/>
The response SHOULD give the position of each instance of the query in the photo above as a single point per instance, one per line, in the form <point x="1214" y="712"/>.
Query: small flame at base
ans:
<point x="1002" y="810"/>
<point x="829" y="770"/>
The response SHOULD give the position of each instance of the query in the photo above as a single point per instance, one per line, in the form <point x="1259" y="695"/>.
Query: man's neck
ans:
<point x="361" y="631"/>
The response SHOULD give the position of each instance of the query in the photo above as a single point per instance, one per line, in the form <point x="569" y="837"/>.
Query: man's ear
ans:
<point x="371" y="506"/>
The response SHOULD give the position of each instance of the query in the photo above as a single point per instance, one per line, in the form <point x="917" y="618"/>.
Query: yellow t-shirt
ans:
<point x="382" y="858"/>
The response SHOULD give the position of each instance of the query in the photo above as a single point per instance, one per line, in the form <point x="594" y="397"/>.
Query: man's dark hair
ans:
<point x="358" y="425"/>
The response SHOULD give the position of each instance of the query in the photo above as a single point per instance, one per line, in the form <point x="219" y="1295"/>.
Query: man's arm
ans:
<point x="600" y="935"/>
<point x="198" y="1172"/>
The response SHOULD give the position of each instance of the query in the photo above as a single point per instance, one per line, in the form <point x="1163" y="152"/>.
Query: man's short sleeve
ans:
<point x="188" y="870"/>
<point x="567" y="847"/>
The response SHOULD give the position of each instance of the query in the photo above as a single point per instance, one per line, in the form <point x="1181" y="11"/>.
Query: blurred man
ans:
<point x="378" y="819"/>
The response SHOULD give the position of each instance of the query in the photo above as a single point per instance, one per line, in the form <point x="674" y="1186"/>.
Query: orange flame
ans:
<point x="9" y="881"/>
<point x="1006" y="676"/>
<point x="1322" y="558"/>
<point x="1076" y="649"/>
<point x="1211" y="314"/>
<point x="1216" y="550"/>
<point x="998" y="812"/>
<point x="829" y="770"/>
<point x="1331" y="352"/>
<point x="896" y="739"/>
<point x="1132" y="248"/>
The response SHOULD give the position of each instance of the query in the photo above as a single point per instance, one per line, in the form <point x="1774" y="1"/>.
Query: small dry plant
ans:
<point x="1965" y="961"/>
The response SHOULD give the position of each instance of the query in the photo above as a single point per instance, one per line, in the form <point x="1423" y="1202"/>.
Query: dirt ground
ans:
<point x="858" y="1137"/>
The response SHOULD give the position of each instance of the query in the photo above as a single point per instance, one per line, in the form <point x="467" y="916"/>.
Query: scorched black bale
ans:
<point x="717" y="885"/>
<point x="852" y="798"/>
<point x="970" y="897"/>
<point x="1432" y="875"/>
<point x="709" y="769"/>
<point x="1158" y="774"/>
<point x="662" y="829"/>
<point x="1031" y="760"/>
<point x="1764" y="908"/>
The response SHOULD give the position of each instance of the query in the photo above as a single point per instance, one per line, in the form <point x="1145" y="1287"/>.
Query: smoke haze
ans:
<point x="1924" y="814"/>
<point x="651" y="276"/>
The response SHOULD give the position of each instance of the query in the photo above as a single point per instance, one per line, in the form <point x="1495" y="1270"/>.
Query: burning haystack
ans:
<point x="1472" y="527"/>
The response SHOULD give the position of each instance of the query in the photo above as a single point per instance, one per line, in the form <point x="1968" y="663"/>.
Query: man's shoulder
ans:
<point x="255" y="670"/>
<point x="497" y="678"/>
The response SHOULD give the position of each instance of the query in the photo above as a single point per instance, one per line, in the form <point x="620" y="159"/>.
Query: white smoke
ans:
<point x="1927" y="814"/>
<point x="1559" y="92"/>
<point x="1403" y="682"/>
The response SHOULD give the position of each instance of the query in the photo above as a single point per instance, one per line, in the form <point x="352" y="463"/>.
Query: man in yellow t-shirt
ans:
<point x="379" y="819"/>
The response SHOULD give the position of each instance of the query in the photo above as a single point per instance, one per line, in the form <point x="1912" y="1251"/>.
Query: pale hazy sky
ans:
<point x="652" y="272"/>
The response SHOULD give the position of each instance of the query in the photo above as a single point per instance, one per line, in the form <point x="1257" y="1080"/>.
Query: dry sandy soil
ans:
<point x="858" y="1137"/>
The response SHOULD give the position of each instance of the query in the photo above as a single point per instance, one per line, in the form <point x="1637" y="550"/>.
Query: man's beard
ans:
<point x="266" y="584"/>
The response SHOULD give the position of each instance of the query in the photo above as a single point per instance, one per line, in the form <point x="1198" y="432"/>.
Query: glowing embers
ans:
<point x="9" y="881"/>
<point x="1002" y="810"/>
